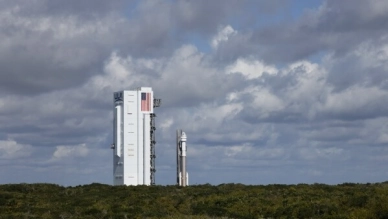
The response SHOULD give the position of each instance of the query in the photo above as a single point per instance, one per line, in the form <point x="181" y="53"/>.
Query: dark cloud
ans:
<point x="85" y="6"/>
<point x="336" y="26"/>
<point x="353" y="16"/>
<point x="40" y="54"/>
<point x="366" y="65"/>
<point x="206" y="16"/>
<point x="71" y="7"/>
<point x="63" y="43"/>
<point x="203" y="16"/>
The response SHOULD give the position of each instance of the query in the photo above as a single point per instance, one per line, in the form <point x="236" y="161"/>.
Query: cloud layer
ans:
<point x="261" y="98"/>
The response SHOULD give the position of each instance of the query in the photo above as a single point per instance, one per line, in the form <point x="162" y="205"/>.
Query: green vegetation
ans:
<point x="200" y="201"/>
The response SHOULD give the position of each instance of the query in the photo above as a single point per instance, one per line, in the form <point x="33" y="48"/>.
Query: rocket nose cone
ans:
<point x="183" y="134"/>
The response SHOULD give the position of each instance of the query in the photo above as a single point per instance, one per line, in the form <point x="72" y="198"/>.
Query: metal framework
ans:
<point x="157" y="103"/>
<point x="178" y="158"/>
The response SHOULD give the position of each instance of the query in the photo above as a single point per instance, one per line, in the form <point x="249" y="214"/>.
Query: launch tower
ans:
<point x="134" y="137"/>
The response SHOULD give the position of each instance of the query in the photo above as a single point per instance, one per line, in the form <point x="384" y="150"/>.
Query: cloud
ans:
<point x="365" y="65"/>
<point x="69" y="151"/>
<point x="333" y="27"/>
<point x="327" y="153"/>
<point x="222" y="36"/>
<point x="368" y="104"/>
<point x="187" y="70"/>
<point x="58" y="7"/>
<point x="10" y="149"/>
<point x="262" y="98"/>
<point x="56" y="51"/>
<point x="203" y="16"/>
<point x="251" y="68"/>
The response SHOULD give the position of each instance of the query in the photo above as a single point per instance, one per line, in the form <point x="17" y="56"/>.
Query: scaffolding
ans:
<point x="153" y="141"/>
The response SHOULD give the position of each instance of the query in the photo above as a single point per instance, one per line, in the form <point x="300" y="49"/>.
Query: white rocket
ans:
<point x="181" y="148"/>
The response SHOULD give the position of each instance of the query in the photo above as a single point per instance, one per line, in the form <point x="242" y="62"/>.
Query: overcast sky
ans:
<point x="268" y="91"/>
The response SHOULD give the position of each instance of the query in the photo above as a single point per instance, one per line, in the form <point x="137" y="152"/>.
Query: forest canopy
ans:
<point x="346" y="200"/>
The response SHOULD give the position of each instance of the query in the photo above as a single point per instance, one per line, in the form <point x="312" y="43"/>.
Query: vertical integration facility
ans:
<point x="182" y="175"/>
<point x="134" y="137"/>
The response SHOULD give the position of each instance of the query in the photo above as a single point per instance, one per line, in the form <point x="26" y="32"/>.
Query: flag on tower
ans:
<point x="145" y="102"/>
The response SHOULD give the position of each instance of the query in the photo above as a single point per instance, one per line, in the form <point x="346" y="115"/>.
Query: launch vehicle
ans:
<point x="181" y="149"/>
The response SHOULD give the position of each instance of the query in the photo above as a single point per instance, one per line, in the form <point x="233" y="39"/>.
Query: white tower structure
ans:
<point x="133" y="137"/>
<point x="181" y="149"/>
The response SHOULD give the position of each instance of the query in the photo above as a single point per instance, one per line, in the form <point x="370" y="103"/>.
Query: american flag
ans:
<point x="145" y="101"/>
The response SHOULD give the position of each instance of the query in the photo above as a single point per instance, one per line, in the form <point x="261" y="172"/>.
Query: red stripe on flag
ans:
<point x="142" y="105"/>
<point x="148" y="101"/>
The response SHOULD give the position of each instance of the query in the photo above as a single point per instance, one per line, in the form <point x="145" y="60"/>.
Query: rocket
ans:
<point x="182" y="174"/>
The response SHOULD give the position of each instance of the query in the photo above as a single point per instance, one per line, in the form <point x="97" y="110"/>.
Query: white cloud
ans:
<point x="10" y="149"/>
<point x="313" y="153"/>
<point x="223" y="35"/>
<point x="166" y="123"/>
<point x="220" y="156"/>
<point x="370" y="56"/>
<point x="70" y="151"/>
<point x="250" y="68"/>
<point x="356" y="99"/>
<point x="383" y="138"/>
<point x="263" y="100"/>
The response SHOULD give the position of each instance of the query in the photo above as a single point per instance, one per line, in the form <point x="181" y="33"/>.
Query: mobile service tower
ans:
<point x="134" y="137"/>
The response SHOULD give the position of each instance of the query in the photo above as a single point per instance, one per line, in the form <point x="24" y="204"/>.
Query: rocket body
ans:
<point x="182" y="174"/>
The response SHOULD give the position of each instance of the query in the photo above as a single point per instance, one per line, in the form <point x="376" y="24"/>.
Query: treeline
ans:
<point x="200" y="201"/>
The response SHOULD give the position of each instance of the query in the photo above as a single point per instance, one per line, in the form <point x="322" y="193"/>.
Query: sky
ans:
<point x="268" y="92"/>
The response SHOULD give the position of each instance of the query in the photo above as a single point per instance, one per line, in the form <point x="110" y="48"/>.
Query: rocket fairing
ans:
<point x="182" y="174"/>
<point x="133" y="137"/>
